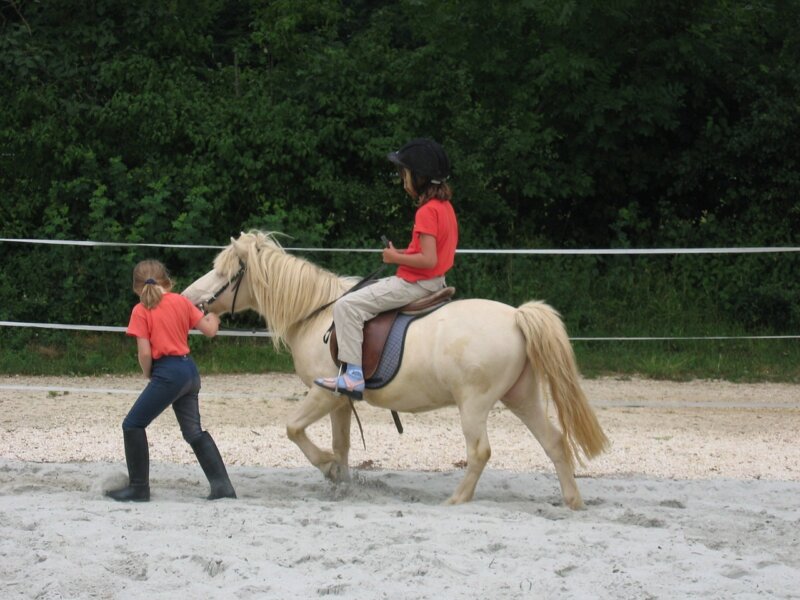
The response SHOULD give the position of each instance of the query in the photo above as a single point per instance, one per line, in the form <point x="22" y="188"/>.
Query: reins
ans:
<point x="363" y="282"/>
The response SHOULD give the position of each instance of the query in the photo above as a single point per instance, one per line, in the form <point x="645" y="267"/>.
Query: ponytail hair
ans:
<point x="150" y="282"/>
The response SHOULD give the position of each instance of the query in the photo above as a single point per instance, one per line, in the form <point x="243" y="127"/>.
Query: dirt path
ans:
<point x="688" y="430"/>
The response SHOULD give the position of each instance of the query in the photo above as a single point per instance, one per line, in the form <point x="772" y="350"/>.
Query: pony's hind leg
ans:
<point x="473" y="425"/>
<point x="314" y="406"/>
<point x="525" y="400"/>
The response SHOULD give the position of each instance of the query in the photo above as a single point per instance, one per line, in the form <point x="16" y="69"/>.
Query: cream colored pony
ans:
<point x="470" y="353"/>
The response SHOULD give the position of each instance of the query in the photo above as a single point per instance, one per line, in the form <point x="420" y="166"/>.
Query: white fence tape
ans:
<point x="254" y="333"/>
<point x="226" y="332"/>
<point x="91" y="243"/>
<point x="521" y="251"/>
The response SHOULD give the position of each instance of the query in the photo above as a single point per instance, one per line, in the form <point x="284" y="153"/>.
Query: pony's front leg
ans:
<point x="340" y="435"/>
<point x="478" y="452"/>
<point x="314" y="406"/>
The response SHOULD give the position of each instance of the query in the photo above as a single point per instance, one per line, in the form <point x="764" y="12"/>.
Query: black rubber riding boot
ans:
<point x="137" y="455"/>
<point x="211" y="461"/>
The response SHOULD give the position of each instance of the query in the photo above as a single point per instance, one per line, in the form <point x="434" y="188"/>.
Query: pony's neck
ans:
<point x="293" y="289"/>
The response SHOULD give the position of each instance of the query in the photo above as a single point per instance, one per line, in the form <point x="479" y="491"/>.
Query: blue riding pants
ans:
<point x="174" y="380"/>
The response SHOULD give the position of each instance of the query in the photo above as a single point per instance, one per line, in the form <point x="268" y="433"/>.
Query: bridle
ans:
<point x="236" y="281"/>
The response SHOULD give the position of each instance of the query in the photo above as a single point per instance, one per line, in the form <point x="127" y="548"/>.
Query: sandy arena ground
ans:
<point x="697" y="498"/>
<point x="661" y="429"/>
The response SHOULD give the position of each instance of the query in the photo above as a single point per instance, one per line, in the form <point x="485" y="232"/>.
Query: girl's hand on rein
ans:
<point x="390" y="254"/>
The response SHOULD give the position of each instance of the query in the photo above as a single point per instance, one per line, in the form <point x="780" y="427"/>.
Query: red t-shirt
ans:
<point x="166" y="326"/>
<point x="437" y="218"/>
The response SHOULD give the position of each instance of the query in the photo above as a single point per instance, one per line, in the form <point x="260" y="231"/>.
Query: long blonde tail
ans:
<point x="552" y="357"/>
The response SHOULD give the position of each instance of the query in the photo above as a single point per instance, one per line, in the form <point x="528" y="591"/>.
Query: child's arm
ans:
<point x="425" y="259"/>
<point x="208" y="325"/>
<point x="145" y="355"/>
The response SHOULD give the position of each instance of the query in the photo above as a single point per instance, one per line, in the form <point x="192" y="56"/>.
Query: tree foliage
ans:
<point x="616" y="123"/>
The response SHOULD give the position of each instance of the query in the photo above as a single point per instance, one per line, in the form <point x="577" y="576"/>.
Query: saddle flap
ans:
<point x="375" y="333"/>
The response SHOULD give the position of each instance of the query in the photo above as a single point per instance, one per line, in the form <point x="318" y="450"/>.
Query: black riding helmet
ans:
<point x="425" y="158"/>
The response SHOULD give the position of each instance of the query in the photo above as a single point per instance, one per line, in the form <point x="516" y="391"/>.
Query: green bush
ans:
<point x="569" y="124"/>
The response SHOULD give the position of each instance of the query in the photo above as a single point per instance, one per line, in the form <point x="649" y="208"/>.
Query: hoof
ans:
<point x="335" y="472"/>
<point x="453" y="500"/>
<point x="575" y="503"/>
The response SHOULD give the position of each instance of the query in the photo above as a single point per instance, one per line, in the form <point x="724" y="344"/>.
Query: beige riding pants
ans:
<point x="352" y="310"/>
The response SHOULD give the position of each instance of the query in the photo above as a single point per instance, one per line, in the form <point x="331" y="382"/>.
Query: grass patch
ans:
<point x="80" y="353"/>
<point x="731" y="360"/>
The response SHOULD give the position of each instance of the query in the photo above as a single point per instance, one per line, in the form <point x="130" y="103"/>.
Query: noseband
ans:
<point x="236" y="281"/>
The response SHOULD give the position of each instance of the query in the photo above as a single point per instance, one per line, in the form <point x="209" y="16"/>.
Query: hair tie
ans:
<point x="150" y="281"/>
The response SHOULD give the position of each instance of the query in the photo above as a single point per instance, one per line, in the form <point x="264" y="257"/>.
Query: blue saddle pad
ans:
<point x="392" y="353"/>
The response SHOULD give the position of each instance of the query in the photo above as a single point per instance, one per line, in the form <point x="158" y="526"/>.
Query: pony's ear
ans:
<point x="240" y="248"/>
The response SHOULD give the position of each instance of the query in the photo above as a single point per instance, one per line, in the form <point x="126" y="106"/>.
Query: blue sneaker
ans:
<point x="351" y="384"/>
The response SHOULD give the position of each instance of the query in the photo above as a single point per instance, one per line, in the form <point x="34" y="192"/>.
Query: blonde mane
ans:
<point x="286" y="288"/>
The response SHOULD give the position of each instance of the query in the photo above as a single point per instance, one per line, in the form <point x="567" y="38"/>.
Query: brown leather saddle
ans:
<point x="377" y="330"/>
